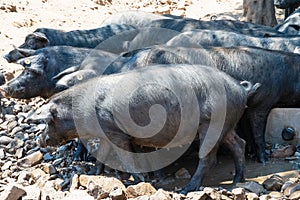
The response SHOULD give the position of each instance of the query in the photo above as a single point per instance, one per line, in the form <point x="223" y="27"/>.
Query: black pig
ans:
<point x="44" y="67"/>
<point x="277" y="71"/>
<point x="43" y="37"/>
<point x="188" y="94"/>
<point x="230" y="39"/>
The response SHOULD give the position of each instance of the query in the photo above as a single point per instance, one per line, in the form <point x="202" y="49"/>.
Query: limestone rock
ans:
<point x="239" y="193"/>
<point x="274" y="183"/>
<point x="97" y="191"/>
<point x="78" y="195"/>
<point x="24" y="177"/>
<point x="140" y="189"/>
<point x="287" y="184"/>
<point x="144" y="197"/>
<point x="48" y="192"/>
<point x="183" y="174"/>
<point x="176" y="196"/>
<point x="40" y="177"/>
<point x="103" y="181"/>
<point x="31" y="159"/>
<point x="265" y="197"/>
<point x="19" y="153"/>
<point x="252" y="196"/>
<point x="117" y="194"/>
<point x="161" y="195"/>
<point x="32" y="192"/>
<point x="213" y="193"/>
<point x="252" y="187"/>
<point x="295" y="195"/>
<point x="74" y="182"/>
<point x="12" y="192"/>
<point x="291" y="189"/>
<point x="100" y="186"/>
<point x="2" y="153"/>
<point x="199" y="195"/>
<point x="4" y="140"/>
<point x="58" y="184"/>
<point x="6" y="165"/>
<point x="276" y="195"/>
<point x="49" y="169"/>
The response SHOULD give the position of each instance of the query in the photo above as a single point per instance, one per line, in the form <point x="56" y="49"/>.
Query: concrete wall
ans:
<point x="278" y="119"/>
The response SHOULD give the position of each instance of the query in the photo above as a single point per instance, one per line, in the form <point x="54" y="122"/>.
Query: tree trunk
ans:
<point x="259" y="12"/>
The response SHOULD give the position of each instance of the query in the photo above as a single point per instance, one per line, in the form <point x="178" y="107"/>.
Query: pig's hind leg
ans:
<point x="237" y="147"/>
<point x="258" y="120"/>
<point x="207" y="158"/>
<point x="204" y="165"/>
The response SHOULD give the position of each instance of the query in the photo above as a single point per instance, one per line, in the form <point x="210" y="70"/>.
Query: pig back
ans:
<point x="161" y="100"/>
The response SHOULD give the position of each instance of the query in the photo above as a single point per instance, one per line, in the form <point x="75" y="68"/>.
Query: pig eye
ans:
<point x="30" y="44"/>
<point x="53" y="111"/>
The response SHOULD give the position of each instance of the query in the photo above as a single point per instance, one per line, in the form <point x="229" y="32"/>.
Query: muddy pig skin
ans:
<point x="141" y="19"/>
<point x="78" y="110"/>
<point x="246" y="28"/>
<point x="277" y="71"/>
<point x="137" y="19"/>
<point x="43" y="37"/>
<point x="45" y="67"/>
<point x="231" y="39"/>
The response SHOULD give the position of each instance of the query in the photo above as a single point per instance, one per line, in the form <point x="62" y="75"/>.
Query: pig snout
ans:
<point x="8" y="58"/>
<point x="48" y="138"/>
<point x="42" y="141"/>
<point x="8" y="91"/>
<point x="14" y="55"/>
<point x="3" y="90"/>
<point x="2" y="79"/>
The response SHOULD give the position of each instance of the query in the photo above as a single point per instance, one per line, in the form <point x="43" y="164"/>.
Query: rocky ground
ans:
<point x="30" y="172"/>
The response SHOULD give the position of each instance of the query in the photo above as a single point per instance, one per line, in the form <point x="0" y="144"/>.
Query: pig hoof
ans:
<point x="262" y="159"/>
<point x="80" y="153"/>
<point x="138" y="178"/>
<point x="184" y="191"/>
<point x="128" y="183"/>
<point x="238" y="178"/>
<point x="77" y="157"/>
<point x="187" y="189"/>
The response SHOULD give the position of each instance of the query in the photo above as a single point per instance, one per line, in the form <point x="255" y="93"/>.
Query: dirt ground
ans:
<point x="20" y="17"/>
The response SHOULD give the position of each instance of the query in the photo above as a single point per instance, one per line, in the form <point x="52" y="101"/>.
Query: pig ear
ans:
<point x="65" y="72"/>
<point x="53" y="109"/>
<point x="40" y="36"/>
<point x="26" y="52"/>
